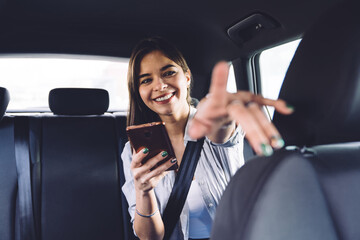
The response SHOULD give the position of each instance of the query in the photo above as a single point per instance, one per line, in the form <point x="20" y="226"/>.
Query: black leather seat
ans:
<point x="75" y="175"/>
<point x="310" y="190"/>
<point x="8" y="176"/>
<point x="81" y="172"/>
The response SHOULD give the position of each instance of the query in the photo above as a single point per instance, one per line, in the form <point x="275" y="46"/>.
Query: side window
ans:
<point x="274" y="63"/>
<point x="231" y="84"/>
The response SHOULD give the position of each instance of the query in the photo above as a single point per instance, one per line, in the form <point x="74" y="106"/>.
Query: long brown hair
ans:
<point x="139" y="113"/>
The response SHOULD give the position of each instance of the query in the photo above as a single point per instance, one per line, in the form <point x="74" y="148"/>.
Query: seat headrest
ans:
<point x="4" y="101"/>
<point x="78" y="101"/>
<point x="323" y="82"/>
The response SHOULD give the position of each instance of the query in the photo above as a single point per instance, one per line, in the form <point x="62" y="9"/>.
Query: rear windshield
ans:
<point x="29" y="78"/>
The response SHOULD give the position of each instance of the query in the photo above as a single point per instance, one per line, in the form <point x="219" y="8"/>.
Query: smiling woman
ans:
<point x="159" y="83"/>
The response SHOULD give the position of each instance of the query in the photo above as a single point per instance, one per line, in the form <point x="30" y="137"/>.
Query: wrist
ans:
<point x="146" y="215"/>
<point x="144" y="193"/>
<point x="226" y="125"/>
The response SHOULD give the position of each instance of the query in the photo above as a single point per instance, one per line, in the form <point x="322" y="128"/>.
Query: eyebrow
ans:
<point x="162" y="69"/>
<point x="166" y="67"/>
<point x="143" y="75"/>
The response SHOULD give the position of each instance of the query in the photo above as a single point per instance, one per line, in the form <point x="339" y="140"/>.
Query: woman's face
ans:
<point x="163" y="85"/>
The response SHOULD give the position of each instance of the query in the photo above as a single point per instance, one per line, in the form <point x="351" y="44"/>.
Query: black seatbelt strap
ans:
<point x="181" y="186"/>
<point x="22" y="155"/>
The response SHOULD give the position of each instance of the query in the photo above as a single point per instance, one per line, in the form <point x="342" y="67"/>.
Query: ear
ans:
<point x="188" y="77"/>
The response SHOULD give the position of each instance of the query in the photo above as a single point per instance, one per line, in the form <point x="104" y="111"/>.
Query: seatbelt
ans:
<point x="181" y="186"/>
<point x="22" y="154"/>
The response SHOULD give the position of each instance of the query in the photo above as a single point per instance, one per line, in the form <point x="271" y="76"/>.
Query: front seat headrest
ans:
<point x="78" y="101"/>
<point x="323" y="82"/>
<point x="4" y="101"/>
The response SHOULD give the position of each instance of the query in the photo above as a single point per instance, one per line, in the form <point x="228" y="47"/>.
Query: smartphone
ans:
<point x="153" y="136"/>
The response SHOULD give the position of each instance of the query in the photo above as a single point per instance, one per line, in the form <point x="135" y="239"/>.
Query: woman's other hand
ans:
<point x="220" y="107"/>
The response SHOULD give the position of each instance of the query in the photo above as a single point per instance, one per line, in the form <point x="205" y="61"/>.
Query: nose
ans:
<point x="160" y="84"/>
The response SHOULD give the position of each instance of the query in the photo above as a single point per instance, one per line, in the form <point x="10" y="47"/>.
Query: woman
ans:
<point x="159" y="83"/>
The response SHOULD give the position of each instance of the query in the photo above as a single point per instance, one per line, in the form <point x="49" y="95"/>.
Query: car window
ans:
<point x="274" y="63"/>
<point x="29" y="78"/>
<point x="231" y="84"/>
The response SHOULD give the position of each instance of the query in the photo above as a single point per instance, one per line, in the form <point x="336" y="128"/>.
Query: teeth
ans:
<point x="163" y="98"/>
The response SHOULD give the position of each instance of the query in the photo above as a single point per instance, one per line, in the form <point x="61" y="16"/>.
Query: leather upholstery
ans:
<point x="78" y="101"/>
<point x="322" y="82"/>
<point x="76" y="173"/>
<point x="80" y="194"/>
<point x="8" y="180"/>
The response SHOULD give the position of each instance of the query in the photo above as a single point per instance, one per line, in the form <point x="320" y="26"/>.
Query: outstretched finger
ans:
<point x="280" y="105"/>
<point x="219" y="79"/>
<point x="247" y="97"/>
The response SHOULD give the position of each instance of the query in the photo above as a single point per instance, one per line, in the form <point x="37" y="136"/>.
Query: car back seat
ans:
<point x="8" y="176"/>
<point x="76" y="173"/>
<point x="81" y="176"/>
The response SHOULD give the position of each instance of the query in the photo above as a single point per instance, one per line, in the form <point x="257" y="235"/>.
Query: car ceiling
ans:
<point x="112" y="27"/>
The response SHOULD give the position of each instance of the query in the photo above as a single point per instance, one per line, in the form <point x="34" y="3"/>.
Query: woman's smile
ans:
<point x="165" y="98"/>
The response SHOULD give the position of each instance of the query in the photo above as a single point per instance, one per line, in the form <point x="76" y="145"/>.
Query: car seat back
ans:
<point x="75" y="171"/>
<point x="8" y="175"/>
<point x="308" y="190"/>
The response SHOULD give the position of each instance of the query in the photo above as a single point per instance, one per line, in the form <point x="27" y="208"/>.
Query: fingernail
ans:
<point x="266" y="149"/>
<point x="290" y="107"/>
<point x="145" y="150"/>
<point x="173" y="160"/>
<point x="164" y="154"/>
<point x="277" y="141"/>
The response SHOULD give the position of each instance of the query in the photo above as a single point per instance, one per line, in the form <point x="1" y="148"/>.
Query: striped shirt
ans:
<point x="217" y="164"/>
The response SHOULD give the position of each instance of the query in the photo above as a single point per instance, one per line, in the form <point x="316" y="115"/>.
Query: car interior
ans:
<point x="61" y="171"/>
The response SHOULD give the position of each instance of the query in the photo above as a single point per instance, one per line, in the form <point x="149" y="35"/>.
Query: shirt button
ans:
<point x="210" y="205"/>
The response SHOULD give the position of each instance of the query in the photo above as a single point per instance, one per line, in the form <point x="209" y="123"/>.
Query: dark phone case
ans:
<point x="153" y="136"/>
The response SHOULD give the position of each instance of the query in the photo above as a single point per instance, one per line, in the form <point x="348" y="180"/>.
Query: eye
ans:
<point x="145" y="81"/>
<point x="169" y="73"/>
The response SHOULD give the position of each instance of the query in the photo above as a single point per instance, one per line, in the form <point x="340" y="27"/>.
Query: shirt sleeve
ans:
<point x="229" y="154"/>
<point x="234" y="139"/>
